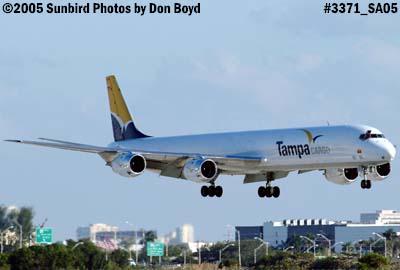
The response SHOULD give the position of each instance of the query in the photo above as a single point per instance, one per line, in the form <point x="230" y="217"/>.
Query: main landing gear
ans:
<point x="212" y="191"/>
<point x="269" y="191"/>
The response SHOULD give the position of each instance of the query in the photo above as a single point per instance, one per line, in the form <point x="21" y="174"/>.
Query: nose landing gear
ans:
<point x="366" y="183"/>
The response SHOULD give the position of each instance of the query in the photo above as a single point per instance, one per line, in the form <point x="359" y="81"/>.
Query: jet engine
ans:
<point x="341" y="176"/>
<point x="128" y="164"/>
<point x="200" y="170"/>
<point x="379" y="172"/>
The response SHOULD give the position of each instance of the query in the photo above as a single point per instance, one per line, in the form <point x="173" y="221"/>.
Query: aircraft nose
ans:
<point x="391" y="150"/>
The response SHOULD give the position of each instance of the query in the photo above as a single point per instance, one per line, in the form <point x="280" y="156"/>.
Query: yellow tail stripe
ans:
<point x="117" y="103"/>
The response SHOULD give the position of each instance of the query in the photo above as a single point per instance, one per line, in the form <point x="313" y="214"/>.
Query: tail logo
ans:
<point x="122" y="123"/>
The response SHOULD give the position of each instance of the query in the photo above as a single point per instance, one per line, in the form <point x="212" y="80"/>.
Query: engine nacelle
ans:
<point x="379" y="172"/>
<point x="129" y="164"/>
<point x="341" y="176"/>
<point x="200" y="170"/>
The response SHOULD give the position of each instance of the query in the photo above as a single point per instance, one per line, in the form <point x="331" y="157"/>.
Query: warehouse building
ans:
<point x="278" y="232"/>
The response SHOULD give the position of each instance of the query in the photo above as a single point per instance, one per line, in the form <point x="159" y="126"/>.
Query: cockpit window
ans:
<point x="367" y="135"/>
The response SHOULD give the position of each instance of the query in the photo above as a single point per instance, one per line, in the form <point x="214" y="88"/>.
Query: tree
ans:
<point x="40" y="255"/>
<point x="120" y="257"/>
<point x="390" y="234"/>
<point x="88" y="256"/>
<point x="59" y="257"/>
<point x="296" y="242"/>
<point x="285" y="260"/>
<point x="24" y="218"/>
<point x="22" y="259"/>
<point x="149" y="236"/>
<point x="3" y="218"/>
<point x="331" y="263"/>
<point x="373" y="261"/>
<point x="346" y="246"/>
<point x="3" y="259"/>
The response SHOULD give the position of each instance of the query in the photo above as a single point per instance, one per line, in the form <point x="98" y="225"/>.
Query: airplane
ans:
<point x="342" y="152"/>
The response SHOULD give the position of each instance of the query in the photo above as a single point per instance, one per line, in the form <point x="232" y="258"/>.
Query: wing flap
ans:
<point x="252" y="178"/>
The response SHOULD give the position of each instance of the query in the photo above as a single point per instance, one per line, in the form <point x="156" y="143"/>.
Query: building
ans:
<point x="101" y="232"/>
<point x="181" y="235"/>
<point x="185" y="234"/>
<point x="134" y="236"/>
<point x="381" y="217"/>
<point x="277" y="232"/>
<point x="93" y="229"/>
<point x="249" y="232"/>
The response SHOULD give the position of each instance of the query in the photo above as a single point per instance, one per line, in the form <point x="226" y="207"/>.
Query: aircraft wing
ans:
<point x="169" y="163"/>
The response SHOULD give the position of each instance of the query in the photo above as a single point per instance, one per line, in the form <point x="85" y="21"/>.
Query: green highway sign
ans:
<point x="155" y="249"/>
<point x="44" y="235"/>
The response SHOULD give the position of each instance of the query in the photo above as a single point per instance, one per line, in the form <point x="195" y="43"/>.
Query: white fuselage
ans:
<point x="283" y="149"/>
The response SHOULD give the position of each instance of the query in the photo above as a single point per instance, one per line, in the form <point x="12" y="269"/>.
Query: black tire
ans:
<point x="268" y="192"/>
<point x="368" y="184"/>
<point x="204" y="191"/>
<point x="219" y="191"/>
<point x="363" y="184"/>
<point x="276" y="192"/>
<point x="211" y="191"/>
<point x="261" y="192"/>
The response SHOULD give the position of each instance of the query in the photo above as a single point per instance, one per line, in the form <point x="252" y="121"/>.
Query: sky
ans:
<point x="238" y="65"/>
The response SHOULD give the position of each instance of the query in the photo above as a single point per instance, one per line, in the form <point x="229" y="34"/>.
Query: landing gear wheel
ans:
<point x="368" y="184"/>
<point x="261" y="192"/>
<point x="204" y="191"/>
<point x="363" y="184"/>
<point x="268" y="192"/>
<point x="219" y="191"/>
<point x="211" y="191"/>
<point x="276" y="192"/>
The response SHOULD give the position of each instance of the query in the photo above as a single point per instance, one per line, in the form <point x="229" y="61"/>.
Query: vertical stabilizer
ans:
<point x="122" y="123"/>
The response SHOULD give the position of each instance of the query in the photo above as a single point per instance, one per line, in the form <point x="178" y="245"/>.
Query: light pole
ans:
<point x="184" y="257"/>
<point x="221" y="250"/>
<point x="255" y="252"/>
<point x="199" y="253"/>
<point x="20" y="231"/>
<point x="338" y="243"/>
<point x="286" y="249"/>
<point x="135" y="240"/>
<point x="373" y="244"/>
<point x="329" y="242"/>
<point x="359" y="242"/>
<point x="311" y="241"/>
<point x="238" y="234"/>
<point x="265" y="243"/>
<point x="382" y="238"/>
<point x="308" y="249"/>
<point x="76" y="245"/>
<point x="2" y="235"/>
